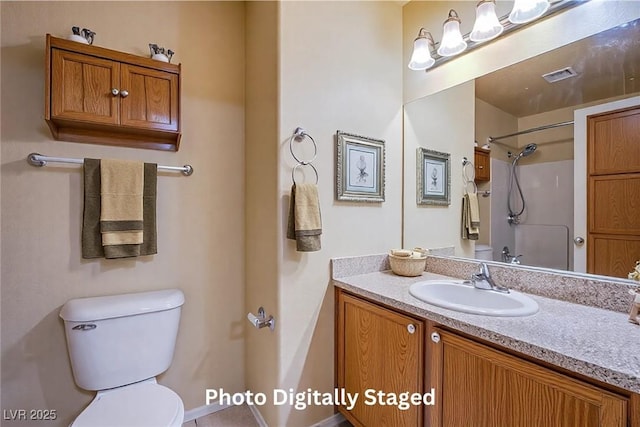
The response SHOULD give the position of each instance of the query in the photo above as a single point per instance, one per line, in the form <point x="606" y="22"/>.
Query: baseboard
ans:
<point x="258" y="416"/>
<point x="203" y="411"/>
<point x="332" y="421"/>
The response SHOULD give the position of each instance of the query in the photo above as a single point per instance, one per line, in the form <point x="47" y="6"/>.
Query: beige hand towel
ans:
<point x="468" y="231"/>
<point x="121" y="213"/>
<point x="305" y="223"/>
<point x="91" y="236"/>
<point x="474" y="210"/>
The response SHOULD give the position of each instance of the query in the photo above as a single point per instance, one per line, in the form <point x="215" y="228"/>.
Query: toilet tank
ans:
<point x="121" y="339"/>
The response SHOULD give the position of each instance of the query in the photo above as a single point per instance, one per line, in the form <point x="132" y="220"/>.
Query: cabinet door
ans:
<point x="149" y="98"/>
<point x="81" y="87"/>
<point x="381" y="350"/>
<point x="483" y="387"/>
<point x="483" y="165"/>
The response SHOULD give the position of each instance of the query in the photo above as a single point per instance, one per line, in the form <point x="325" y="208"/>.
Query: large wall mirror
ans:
<point x="545" y="165"/>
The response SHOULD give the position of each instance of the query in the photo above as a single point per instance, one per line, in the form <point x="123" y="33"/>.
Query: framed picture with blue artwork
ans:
<point x="360" y="163"/>
<point x="433" y="180"/>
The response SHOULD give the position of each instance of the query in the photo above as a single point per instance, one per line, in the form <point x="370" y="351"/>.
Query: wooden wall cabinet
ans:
<point x="378" y="349"/>
<point x="496" y="389"/>
<point x="482" y="160"/>
<point x="97" y="95"/>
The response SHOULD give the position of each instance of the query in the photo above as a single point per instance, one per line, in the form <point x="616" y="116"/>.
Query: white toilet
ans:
<point x="117" y="345"/>
<point x="484" y="252"/>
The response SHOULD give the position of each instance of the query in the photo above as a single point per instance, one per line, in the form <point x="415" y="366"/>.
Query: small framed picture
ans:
<point x="360" y="165"/>
<point x="433" y="178"/>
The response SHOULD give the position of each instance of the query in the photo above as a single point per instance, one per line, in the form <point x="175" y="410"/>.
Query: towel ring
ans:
<point x="467" y="164"/>
<point x="298" y="135"/>
<point x="293" y="171"/>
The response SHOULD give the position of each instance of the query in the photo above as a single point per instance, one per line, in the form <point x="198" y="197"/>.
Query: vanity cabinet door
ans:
<point x="484" y="387"/>
<point x="382" y="350"/>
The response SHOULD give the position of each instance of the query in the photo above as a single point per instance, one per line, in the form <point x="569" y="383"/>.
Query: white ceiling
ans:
<point x="608" y="65"/>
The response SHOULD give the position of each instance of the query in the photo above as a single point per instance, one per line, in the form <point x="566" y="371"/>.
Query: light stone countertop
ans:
<point x="590" y="341"/>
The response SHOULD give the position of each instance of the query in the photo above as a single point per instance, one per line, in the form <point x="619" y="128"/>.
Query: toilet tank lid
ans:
<point x="112" y="306"/>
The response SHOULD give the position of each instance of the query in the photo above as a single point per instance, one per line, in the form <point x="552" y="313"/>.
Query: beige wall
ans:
<point x="340" y="69"/>
<point x="442" y="122"/>
<point x="261" y="201"/>
<point x="200" y="218"/>
<point x="490" y="121"/>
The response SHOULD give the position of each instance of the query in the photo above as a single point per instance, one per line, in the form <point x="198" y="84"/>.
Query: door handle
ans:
<point x="579" y="241"/>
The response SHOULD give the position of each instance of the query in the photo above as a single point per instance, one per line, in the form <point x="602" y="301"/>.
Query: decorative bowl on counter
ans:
<point x="410" y="265"/>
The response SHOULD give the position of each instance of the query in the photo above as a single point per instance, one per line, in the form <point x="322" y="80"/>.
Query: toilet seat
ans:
<point x="136" y="405"/>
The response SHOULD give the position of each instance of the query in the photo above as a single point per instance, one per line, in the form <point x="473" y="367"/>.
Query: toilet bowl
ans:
<point x="117" y="345"/>
<point x="484" y="252"/>
<point x="142" y="404"/>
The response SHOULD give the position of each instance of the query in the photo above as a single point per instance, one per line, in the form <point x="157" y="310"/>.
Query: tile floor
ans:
<point x="234" y="416"/>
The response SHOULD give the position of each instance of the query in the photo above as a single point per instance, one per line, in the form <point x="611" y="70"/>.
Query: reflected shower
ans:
<point x="528" y="150"/>
<point x="514" y="217"/>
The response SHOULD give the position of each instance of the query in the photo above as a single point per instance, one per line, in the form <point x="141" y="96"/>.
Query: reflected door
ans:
<point x="580" y="174"/>
<point x="613" y="192"/>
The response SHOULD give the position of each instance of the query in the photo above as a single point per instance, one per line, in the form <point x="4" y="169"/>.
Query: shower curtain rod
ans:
<point x="536" y="129"/>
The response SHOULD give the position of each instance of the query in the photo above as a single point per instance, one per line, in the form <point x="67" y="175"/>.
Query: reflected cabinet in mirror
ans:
<point x="563" y="129"/>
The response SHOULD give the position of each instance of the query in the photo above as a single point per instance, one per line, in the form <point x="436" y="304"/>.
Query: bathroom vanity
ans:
<point x="567" y="365"/>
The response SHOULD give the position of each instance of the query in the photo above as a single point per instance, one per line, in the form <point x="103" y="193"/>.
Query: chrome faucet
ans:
<point x="483" y="280"/>
<point x="508" y="258"/>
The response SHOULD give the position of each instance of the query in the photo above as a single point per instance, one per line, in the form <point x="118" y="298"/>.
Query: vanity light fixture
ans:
<point x="452" y="41"/>
<point x="527" y="10"/>
<point x="487" y="25"/>
<point x="421" y="58"/>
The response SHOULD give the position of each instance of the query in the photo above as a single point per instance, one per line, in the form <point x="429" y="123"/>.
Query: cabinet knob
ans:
<point x="480" y="167"/>
<point x="435" y="337"/>
<point x="411" y="328"/>
<point x="115" y="91"/>
<point x="124" y="93"/>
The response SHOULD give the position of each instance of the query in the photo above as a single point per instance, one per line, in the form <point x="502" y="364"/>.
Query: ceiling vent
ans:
<point x="556" y="76"/>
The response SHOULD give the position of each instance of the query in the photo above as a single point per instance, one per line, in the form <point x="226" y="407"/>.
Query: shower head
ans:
<point x="529" y="149"/>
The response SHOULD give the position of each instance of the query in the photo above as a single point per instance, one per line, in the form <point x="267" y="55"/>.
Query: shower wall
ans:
<point x="546" y="226"/>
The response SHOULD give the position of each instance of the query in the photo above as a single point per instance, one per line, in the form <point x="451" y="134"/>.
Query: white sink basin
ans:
<point x="462" y="297"/>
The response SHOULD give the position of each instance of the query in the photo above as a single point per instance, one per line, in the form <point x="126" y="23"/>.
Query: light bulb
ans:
<point x="421" y="57"/>
<point x="487" y="25"/>
<point x="452" y="42"/>
<point x="527" y="10"/>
